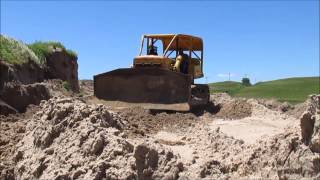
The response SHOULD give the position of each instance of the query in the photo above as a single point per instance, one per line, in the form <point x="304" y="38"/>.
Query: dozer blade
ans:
<point x="150" y="87"/>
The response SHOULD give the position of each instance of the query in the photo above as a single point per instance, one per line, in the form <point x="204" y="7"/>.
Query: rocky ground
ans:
<point x="65" y="137"/>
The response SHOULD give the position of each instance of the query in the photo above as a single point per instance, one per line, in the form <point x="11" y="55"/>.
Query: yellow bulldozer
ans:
<point x="161" y="77"/>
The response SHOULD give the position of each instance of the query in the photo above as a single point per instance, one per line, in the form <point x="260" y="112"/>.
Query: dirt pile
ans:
<point x="263" y="122"/>
<point x="230" y="108"/>
<point x="280" y="157"/>
<point x="209" y="153"/>
<point x="206" y="152"/>
<point x="140" y="122"/>
<point x="275" y="105"/>
<point x="86" y="87"/>
<point x="220" y="98"/>
<point x="310" y="124"/>
<point x="285" y="155"/>
<point x="12" y="130"/>
<point x="69" y="139"/>
<point x="235" y="109"/>
<point x="155" y="162"/>
<point x="297" y="110"/>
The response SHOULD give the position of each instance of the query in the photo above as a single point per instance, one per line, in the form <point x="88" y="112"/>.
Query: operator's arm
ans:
<point x="179" y="60"/>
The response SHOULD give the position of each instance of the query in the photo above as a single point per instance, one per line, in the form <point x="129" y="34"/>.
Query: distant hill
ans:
<point x="292" y="90"/>
<point x="230" y="87"/>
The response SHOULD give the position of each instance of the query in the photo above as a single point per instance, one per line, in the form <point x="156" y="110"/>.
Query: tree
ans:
<point x="246" y="82"/>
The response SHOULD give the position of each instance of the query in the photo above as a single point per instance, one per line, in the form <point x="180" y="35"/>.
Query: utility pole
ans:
<point x="229" y="76"/>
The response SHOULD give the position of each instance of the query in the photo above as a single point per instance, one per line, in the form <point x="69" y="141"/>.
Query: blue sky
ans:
<point x="263" y="40"/>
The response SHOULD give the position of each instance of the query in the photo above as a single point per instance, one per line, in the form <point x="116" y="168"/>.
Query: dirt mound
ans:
<point x="154" y="162"/>
<point x="298" y="110"/>
<point x="217" y="156"/>
<point x="209" y="150"/>
<point x="262" y="122"/>
<point x="12" y="130"/>
<point x="275" y="105"/>
<point x="214" y="155"/>
<point x="280" y="157"/>
<point x="68" y="139"/>
<point x="236" y="109"/>
<point x="285" y="155"/>
<point x="140" y="122"/>
<point x="310" y="124"/>
<point x="86" y="87"/>
<point x="220" y="98"/>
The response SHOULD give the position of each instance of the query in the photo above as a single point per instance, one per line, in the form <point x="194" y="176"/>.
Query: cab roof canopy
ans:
<point x="183" y="41"/>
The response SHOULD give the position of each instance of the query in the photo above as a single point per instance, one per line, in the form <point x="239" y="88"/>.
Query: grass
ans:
<point x="66" y="85"/>
<point x="43" y="49"/>
<point x="16" y="52"/>
<point x="292" y="90"/>
<point x="230" y="87"/>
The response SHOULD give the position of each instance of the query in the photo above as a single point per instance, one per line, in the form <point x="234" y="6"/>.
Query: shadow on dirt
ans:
<point x="198" y="111"/>
<point x="209" y="108"/>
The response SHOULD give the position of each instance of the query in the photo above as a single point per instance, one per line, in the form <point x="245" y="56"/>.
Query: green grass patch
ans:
<point x="230" y="87"/>
<point x="16" y="52"/>
<point x="292" y="90"/>
<point x="66" y="85"/>
<point x="43" y="49"/>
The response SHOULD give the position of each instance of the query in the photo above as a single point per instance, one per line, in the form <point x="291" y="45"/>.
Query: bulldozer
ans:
<point x="161" y="77"/>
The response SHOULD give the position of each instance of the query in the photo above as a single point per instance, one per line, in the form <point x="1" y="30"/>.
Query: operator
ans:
<point x="182" y="62"/>
<point x="153" y="50"/>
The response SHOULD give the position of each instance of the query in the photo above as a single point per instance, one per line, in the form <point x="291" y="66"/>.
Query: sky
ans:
<point x="262" y="40"/>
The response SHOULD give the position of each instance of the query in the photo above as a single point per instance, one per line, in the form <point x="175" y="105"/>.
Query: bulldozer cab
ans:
<point x="162" y="50"/>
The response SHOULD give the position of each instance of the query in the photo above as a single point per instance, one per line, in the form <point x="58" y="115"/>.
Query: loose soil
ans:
<point x="141" y="122"/>
<point x="66" y="137"/>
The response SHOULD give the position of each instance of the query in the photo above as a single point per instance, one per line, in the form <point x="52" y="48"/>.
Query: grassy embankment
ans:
<point x="292" y="90"/>
<point x="17" y="52"/>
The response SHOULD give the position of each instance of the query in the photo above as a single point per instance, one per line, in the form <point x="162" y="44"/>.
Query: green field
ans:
<point x="230" y="87"/>
<point x="292" y="90"/>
